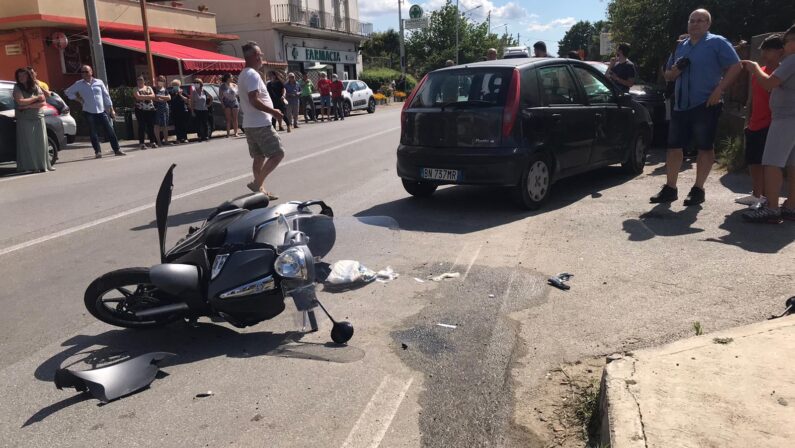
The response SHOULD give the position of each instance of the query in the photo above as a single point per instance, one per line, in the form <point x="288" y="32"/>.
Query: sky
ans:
<point x="531" y="20"/>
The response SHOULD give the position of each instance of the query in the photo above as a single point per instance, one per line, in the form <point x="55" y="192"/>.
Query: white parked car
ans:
<point x="357" y="95"/>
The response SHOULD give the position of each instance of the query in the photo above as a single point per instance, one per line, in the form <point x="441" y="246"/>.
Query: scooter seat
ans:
<point x="249" y="202"/>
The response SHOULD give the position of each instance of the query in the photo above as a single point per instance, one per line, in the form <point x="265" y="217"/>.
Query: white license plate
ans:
<point x="439" y="174"/>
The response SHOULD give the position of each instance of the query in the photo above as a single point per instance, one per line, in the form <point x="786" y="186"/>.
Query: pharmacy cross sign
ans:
<point x="415" y="12"/>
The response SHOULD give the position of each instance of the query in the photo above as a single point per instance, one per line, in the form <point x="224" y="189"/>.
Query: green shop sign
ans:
<point x="313" y="54"/>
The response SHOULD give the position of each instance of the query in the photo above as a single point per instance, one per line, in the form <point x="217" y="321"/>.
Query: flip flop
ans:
<point x="271" y="196"/>
<point x="251" y="187"/>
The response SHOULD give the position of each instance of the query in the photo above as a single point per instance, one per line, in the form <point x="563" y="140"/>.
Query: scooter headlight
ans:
<point x="291" y="264"/>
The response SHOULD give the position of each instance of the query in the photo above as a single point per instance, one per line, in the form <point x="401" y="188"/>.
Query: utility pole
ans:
<point x="488" y="21"/>
<point x="456" y="32"/>
<point x="149" y="61"/>
<point x="402" y="38"/>
<point x="97" y="56"/>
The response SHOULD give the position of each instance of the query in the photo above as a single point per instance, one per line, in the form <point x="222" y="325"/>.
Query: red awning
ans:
<point x="192" y="59"/>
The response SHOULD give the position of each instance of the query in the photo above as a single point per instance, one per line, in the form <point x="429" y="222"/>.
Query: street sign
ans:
<point x="415" y="12"/>
<point x="413" y="24"/>
<point x="606" y="47"/>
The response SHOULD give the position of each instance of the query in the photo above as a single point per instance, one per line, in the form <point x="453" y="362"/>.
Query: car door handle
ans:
<point x="557" y="117"/>
<point x="597" y="116"/>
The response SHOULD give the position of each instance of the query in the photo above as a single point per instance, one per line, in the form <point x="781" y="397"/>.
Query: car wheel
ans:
<point x="637" y="155"/>
<point x="533" y="190"/>
<point x="346" y="108"/>
<point x="371" y="106"/>
<point x="52" y="149"/>
<point x="419" y="189"/>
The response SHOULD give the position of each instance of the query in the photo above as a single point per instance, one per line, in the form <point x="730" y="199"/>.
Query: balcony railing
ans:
<point x="313" y="18"/>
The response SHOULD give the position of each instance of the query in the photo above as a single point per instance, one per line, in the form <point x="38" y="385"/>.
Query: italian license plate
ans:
<point x="439" y="174"/>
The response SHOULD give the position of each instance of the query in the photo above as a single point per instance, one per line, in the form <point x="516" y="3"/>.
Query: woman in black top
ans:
<point x="276" y="91"/>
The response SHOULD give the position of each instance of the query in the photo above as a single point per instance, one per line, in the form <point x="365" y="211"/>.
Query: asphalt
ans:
<point x="642" y="276"/>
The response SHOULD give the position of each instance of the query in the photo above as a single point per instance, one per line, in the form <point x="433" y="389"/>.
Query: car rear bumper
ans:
<point x="477" y="166"/>
<point x="69" y="124"/>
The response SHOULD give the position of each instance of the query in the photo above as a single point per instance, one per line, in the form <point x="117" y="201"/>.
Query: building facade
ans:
<point x="28" y="30"/>
<point x="317" y="35"/>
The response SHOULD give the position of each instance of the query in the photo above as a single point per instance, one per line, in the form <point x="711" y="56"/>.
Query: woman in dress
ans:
<point x="162" y="99"/>
<point x="145" y="112"/>
<point x="199" y="102"/>
<point x="32" y="151"/>
<point x="228" y="93"/>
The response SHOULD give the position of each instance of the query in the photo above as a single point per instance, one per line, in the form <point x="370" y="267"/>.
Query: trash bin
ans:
<point x="123" y="124"/>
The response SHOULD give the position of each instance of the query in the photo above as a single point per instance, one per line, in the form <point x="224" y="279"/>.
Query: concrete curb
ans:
<point x="640" y="400"/>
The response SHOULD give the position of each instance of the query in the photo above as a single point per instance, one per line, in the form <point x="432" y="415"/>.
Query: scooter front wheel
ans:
<point x="116" y="296"/>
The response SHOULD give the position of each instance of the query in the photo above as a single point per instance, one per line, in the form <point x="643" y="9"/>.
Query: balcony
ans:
<point x="292" y="14"/>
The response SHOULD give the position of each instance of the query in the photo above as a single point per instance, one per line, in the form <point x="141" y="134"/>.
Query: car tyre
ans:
<point x="371" y="106"/>
<point x="346" y="108"/>
<point x="636" y="159"/>
<point x="536" y="183"/>
<point x="419" y="189"/>
<point x="52" y="148"/>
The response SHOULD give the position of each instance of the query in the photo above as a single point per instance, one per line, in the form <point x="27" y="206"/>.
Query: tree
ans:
<point x="428" y="48"/>
<point x="382" y="49"/>
<point x="652" y="26"/>
<point x="579" y="37"/>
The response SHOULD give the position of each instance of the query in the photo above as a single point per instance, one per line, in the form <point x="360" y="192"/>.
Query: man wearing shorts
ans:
<point x="759" y="123"/>
<point x="698" y="67"/>
<point x="780" y="145"/>
<point x="264" y="144"/>
<point x="324" y="87"/>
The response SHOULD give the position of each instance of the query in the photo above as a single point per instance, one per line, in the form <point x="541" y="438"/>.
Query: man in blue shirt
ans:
<point x="97" y="105"/>
<point x="698" y="66"/>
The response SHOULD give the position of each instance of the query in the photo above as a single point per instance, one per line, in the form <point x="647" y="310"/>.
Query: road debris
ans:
<point x="723" y="341"/>
<point x="386" y="275"/>
<point x="441" y="277"/>
<point x="209" y="393"/>
<point x="419" y="280"/>
<point x="345" y="272"/>
<point x="404" y="346"/>
<point x="559" y="281"/>
<point x="447" y="326"/>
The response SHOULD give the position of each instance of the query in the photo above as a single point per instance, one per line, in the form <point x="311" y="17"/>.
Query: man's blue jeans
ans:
<point x="97" y="121"/>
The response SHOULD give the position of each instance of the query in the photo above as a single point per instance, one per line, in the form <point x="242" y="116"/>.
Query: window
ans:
<point x="6" y="99"/>
<point x="529" y="89"/>
<point x="468" y="87"/>
<point x="362" y="86"/>
<point x="557" y="86"/>
<point x="596" y="90"/>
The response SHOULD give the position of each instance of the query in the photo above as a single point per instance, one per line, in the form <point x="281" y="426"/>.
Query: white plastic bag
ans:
<point x="345" y="272"/>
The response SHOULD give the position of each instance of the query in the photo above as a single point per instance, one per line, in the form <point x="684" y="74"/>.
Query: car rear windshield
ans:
<point x="476" y="87"/>
<point x="6" y="99"/>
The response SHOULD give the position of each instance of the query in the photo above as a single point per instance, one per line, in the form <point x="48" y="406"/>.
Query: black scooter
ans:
<point x="239" y="265"/>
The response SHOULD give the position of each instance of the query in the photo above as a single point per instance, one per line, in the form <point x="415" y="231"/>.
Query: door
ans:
<point x="611" y="121"/>
<point x="564" y="124"/>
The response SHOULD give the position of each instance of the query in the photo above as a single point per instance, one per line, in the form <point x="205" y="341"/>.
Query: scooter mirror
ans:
<point x="342" y="332"/>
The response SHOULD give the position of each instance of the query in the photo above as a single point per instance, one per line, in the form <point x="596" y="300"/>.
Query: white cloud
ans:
<point x="564" y="23"/>
<point x="509" y="11"/>
<point x="373" y="8"/>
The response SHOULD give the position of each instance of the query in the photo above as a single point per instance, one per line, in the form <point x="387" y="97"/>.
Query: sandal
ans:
<point x="253" y="188"/>
<point x="271" y="196"/>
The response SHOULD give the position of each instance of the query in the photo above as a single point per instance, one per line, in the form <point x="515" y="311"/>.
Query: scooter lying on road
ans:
<point x="239" y="265"/>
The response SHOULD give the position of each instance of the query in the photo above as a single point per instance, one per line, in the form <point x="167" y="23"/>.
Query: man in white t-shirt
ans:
<point x="264" y="144"/>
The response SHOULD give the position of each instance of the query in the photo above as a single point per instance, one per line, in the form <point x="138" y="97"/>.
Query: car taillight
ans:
<point x="511" y="105"/>
<point x="409" y="100"/>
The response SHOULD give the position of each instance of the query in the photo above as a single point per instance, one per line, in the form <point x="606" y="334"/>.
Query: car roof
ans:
<point x="516" y="63"/>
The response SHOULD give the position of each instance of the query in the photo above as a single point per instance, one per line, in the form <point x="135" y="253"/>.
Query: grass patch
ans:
<point x="723" y="341"/>
<point x="697" y="328"/>
<point x="731" y="154"/>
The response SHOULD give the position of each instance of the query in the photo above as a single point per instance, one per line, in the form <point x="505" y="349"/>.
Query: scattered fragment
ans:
<point x="386" y="275"/>
<point x="441" y="277"/>
<point x="209" y="393"/>
<point x="447" y="326"/>
<point x="112" y="382"/>
<point x="491" y="296"/>
<point x="782" y="401"/>
<point x="419" y="280"/>
<point x="404" y="346"/>
<point x="723" y="341"/>
<point x="559" y="281"/>
<point x="257" y="418"/>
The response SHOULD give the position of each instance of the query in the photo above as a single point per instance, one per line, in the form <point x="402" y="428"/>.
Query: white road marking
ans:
<point x="132" y="211"/>
<point x="372" y="425"/>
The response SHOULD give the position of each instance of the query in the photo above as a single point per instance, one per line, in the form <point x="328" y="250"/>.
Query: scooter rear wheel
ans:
<point x="114" y="298"/>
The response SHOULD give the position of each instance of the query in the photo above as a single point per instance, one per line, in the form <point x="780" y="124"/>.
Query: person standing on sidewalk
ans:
<point x="698" y="67"/>
<point x="199" y="101"/>
<point x="621" y="70"/>
<point x="759" y="122"/>
<point x="162" y="111"/>
<point x="324" y="87"/>
<point x="336" y="97"/>
<point x="780" y="144"/>
<point x="293" y="92"/>
<point x="179" y="109"/>
<point x="98" y="109"/>
<point x="31" y="133"/>
<point x="264" y="144"/>
<point x="228" y="93"/>
<point x="306" y="98"/>
<point x="275" y="88"/>
<point x="145" y="112"/>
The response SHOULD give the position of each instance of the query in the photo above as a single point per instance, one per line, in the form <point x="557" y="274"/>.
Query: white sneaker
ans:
<point x="749" y="200"/>
<point x="761" y="203"/>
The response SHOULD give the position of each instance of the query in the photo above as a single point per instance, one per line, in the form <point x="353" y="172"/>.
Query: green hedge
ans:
<point x="377" y="77"/>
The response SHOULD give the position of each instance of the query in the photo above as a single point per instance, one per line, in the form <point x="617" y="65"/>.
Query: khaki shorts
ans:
<point x="263" y="142"/>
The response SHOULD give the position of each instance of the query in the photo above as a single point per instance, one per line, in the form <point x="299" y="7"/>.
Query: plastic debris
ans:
<point x="441" y="277"/>
<point x="448" y="326"/>
<point x="419" y="280"/>
<point x="491" y="296"/>
<point x="404" y="346"/>
<point x="386" y="275"/>
<point x="209" y="393"/>
<point x="346" y="272"/>
<point x="559" y="281"/>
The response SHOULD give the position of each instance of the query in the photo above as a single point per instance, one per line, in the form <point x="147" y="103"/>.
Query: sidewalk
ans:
<point x="730" y="388"/>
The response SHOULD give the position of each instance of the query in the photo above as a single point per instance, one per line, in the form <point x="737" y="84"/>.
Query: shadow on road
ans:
<point x="739" y="183"/>
<point x="759" y="238"/>
<point x="179" y="219"/>
<point x="662" y="221"/>
<point x="467" y="209"/>
<point x="190" y="344"/>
